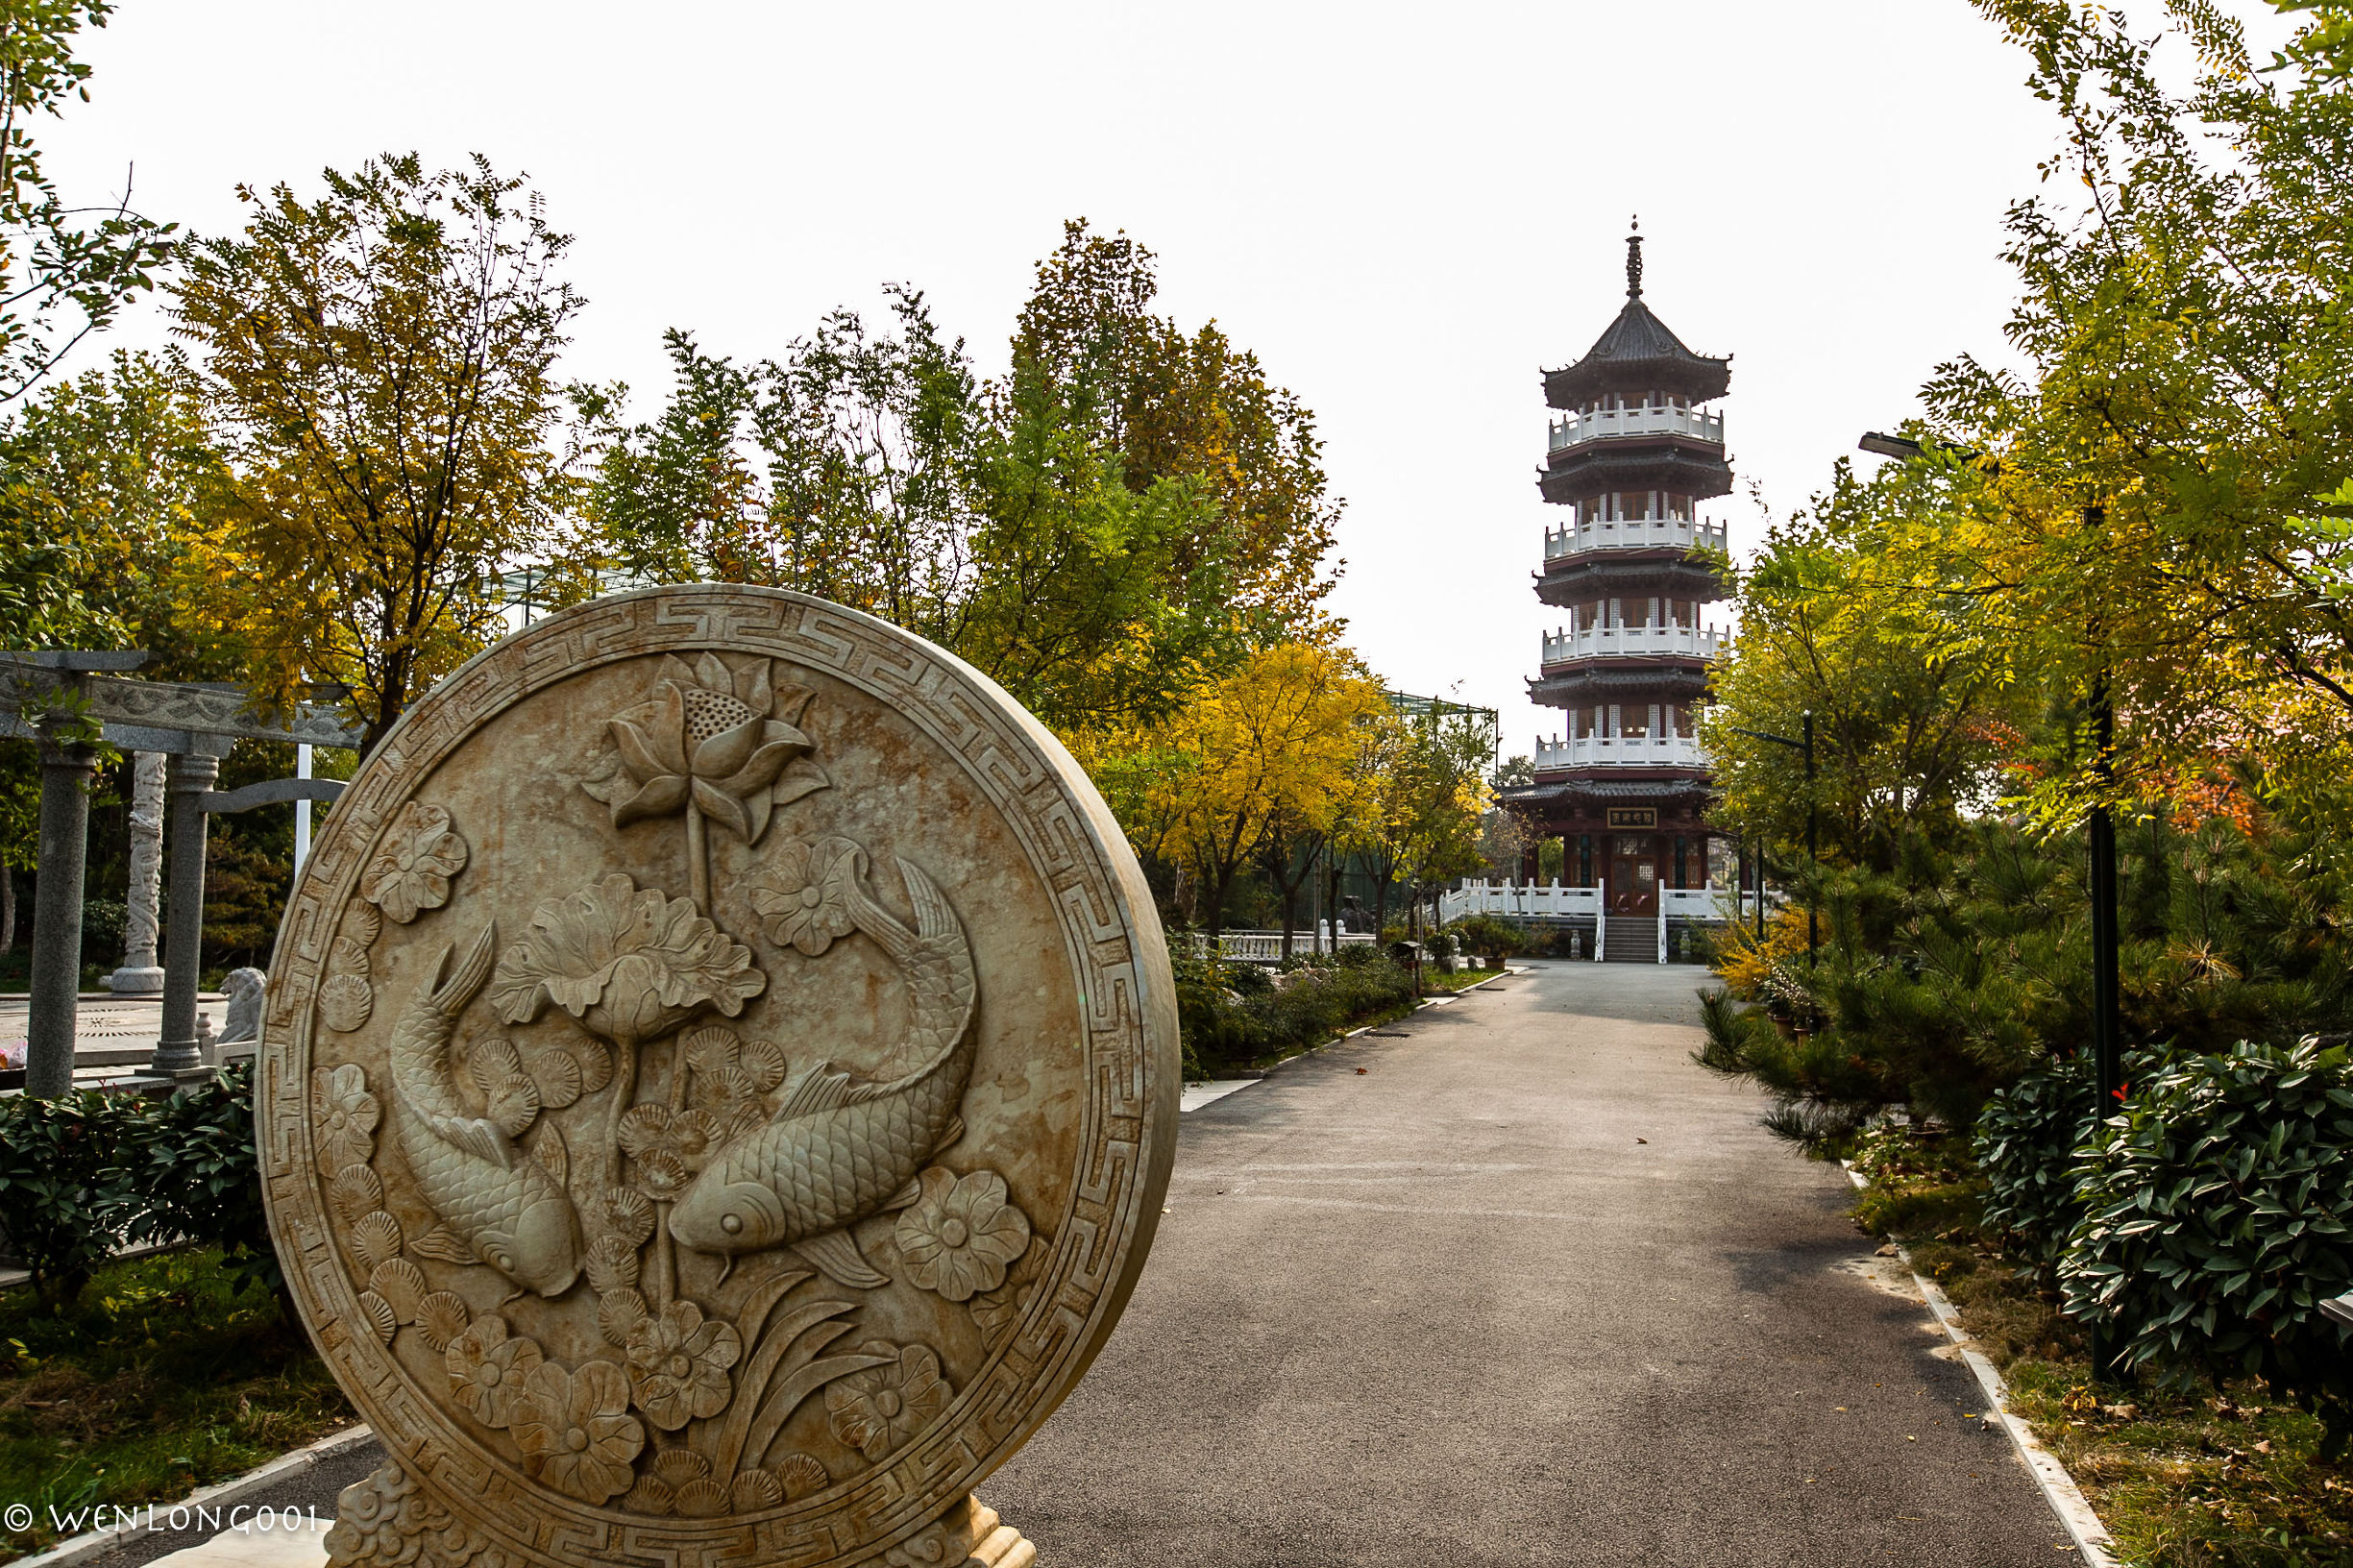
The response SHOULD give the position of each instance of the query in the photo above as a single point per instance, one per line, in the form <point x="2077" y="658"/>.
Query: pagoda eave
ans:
<point x="1697" y="377"/>
<point x="1578" y="579"/>
<point x="1679" y="465"/>
<point x="1573" y="687"/>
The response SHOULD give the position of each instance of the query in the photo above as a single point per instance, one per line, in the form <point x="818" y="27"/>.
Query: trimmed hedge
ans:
<point x="1240" y="1013"/>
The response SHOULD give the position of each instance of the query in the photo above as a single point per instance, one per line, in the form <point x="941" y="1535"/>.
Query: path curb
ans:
<point x="225" y="1494"/>
<point x="2059" y="1489"/>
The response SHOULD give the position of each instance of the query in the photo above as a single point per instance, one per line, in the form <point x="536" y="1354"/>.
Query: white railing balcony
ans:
<point x="1575" y="430"/>
<point x="1633" y="533"/>
<point x="1521" y="900"/>
<point x="1624" y="641"/>
<point x="1620" y="752"/>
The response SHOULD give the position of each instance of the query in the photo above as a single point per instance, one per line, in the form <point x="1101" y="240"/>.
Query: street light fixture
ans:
<point x="1891" y="446"/>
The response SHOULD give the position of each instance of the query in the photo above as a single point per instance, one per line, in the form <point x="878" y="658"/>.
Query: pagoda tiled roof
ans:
<point x="1637" y="353"/>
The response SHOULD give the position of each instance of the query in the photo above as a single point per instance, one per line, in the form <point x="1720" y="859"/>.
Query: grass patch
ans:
<point x="163" y="1380"/>
<point x="2215" y="1476"/>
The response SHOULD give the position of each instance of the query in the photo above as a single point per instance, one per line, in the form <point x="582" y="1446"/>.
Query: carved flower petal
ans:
<point x="669" y="727"/>
<point x="723" y="808"/>
<point x="639" y="752"/>
<point x="729" y="750"/>
<point x="662" y="794"/>
<point x="712" y="674"/>
<point x="760" y="768"/>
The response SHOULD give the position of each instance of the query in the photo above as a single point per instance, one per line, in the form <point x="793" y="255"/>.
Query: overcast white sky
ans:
<point x="1406" y="212"/>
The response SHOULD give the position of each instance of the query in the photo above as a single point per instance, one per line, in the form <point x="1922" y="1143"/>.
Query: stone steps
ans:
<point x="1633" y="939"/>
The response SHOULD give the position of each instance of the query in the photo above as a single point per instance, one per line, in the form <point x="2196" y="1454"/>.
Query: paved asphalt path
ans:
<point x="1451" y="1310"/>
<point x="1529" y="1287"/>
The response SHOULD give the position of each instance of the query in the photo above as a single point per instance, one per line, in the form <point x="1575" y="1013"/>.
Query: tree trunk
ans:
<point x="8" y="909"/>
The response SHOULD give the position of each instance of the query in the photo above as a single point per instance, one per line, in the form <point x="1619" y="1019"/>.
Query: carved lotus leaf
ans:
<point x="612" y="1264"/>
<point x="379" y="1315"/>
<point x="755" y="1489"/>
<point x="356" y="1191"/>
<point x="514" y="1104"/>
<point x="344" y="1002"/>
<point x="705" y="1499"/>
<point x="362" y="924"/>
<point x="677" y="1467"/>
<point x="375" y="1238"/>
<point x="628" y="963"/>
<point x="619" y="1313"/>
<point x="413" y="862"/>
<point x="761" y="1063"/>
<point x="441" y="1317"/>
<point x="347" y="956"/>
<point x="802" y="1475"/>
<point x="492" y="1059"/>
<point x="400" y="1283"/>
<point x="557" y="1073"/>
<point x="722" y="737"/>
<point x="961" y="1233"/>
<point x="650" y="1495"/>
<point x="629" y="1214"/>
<point x="881" y="1407"/>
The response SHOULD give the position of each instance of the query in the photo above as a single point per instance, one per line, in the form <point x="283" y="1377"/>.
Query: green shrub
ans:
<point x="64" y="1194"/>
<point x="201" y="1176"/>
<point x="1229" y="1011"/>
<point x="2214" y="1224"/>
<point x="1490" y="938"/>
<point x="2027" y="1139"/>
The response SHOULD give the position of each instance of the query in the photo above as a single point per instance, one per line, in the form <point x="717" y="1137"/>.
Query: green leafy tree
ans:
<point x="378" y="367"/>
<point x="64" y="271"/>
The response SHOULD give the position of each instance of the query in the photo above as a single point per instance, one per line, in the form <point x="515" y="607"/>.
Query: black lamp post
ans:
<point x="1813" y="857"/>
<point x="2107" y="1035"/>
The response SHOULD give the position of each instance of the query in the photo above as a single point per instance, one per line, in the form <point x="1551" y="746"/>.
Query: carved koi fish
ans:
<point x="839" y="1150"/>
<point x="498" y="1206"/>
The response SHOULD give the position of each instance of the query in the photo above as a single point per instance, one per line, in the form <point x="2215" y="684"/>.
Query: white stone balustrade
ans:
<point x="1633" y="533"/>
<point x="1577" y="429"/>
<point x="1620" y="752"/>
<point x="1609" y="642"/>
<point x="1524" y="900"/>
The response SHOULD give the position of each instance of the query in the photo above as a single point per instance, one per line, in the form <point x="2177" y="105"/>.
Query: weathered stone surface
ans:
<point x="719" y="1081"/>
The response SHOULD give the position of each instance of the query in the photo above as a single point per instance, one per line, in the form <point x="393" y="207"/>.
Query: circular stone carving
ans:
<point x="761" y="1132"/>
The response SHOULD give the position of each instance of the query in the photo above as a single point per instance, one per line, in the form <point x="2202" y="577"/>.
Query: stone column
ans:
<point x="140" y="976"/>
<point x="177" y="1048"/>
<point x="57" y="919"/>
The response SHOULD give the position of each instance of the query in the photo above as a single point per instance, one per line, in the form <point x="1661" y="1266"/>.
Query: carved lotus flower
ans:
<point x="629" y="964"/>
<point x="961" y="1233"/>
<point x="678" y="1366"/>
<point x="723" y="737"/>
<point x="576" y="1430"/>
<point x="805" y="903"/>
<point x="344" y="1115"/>
<point x="488" y="1369"/>
<point x="412" y="866"/>
<point x="879" y="1410"/>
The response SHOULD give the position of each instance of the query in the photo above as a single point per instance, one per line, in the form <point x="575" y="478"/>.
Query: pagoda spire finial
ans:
<point x="1634" y="260"/>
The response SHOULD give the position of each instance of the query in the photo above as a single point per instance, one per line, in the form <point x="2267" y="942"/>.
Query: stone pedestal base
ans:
<point x="388" y="1521"/>
<point x="970" y="1536"/>
<point x="135" y="982"/>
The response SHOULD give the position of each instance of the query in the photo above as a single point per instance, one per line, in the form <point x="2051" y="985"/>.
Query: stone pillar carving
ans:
<point x="177" y="1048"/>
<point x="57" y="919"/>
<point x="140" y="974"/>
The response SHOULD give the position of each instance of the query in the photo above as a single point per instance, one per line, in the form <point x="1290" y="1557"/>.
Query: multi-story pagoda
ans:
<point x="1632" y="567"/>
